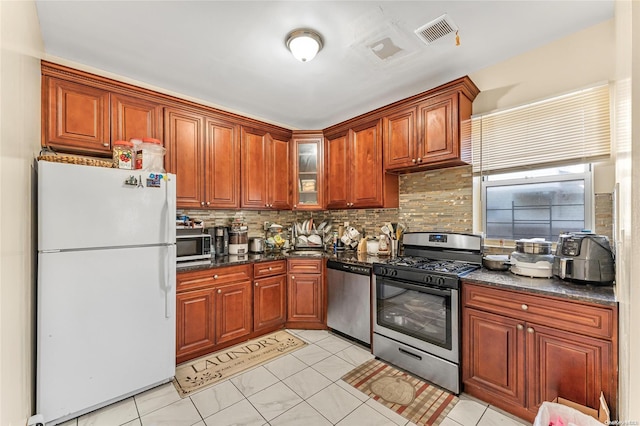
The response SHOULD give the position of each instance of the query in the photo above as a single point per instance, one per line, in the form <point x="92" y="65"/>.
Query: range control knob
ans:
<point x="393" y="272"/>
<point x="428" y="279"/>
<point x="440" y="281"/>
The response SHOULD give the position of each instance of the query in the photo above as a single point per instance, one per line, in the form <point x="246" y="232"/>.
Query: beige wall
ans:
<point x="19" y="141"/>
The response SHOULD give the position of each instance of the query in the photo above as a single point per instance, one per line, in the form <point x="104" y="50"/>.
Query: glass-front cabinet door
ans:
<point x="308" y="183"/>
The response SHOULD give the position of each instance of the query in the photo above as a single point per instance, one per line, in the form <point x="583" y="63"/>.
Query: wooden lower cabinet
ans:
<point x="269" y="295"/>
<point x="213" y="307"/>
<point x="517" y="353"/>
<point x="306" y="307"/>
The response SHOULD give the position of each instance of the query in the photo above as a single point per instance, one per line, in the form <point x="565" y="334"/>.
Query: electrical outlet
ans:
<point x="265" y="225"/>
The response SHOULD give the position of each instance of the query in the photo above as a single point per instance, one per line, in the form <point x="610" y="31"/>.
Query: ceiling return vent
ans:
<point x="436" y="29"/>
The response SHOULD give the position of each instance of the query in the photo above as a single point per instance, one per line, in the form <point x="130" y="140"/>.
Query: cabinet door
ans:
<point x="183" y="139"/>
<point x="233" y="311"/>
<point x="305" y="298"/>
<point x="438" y="129"/>
<point x="77" y="117"/>
<point x="308" y="176"/>
<point x="134" y="118"/>
<point x="365" y="166"/>
<point x="222" y="165"/>
<point x="279" y="174"/>
<point x="399" y="140"/>
<point x="337" y="166"/>
<point x="493" y="355"/>
<point x="269" y="299"/>
<point x="569" y="365"/>
<point x="195" y="331"/>
<point x="253" y="147"/>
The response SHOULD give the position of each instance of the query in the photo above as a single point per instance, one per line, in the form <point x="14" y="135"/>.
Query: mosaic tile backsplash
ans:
<point x="430" y="200"/>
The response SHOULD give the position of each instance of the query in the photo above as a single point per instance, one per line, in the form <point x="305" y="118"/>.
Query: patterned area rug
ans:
<point x="205" y="371"/>
<point x="412" y="398"/>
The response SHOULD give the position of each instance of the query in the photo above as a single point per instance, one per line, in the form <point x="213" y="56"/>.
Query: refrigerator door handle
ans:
<point x="169" y="280"/>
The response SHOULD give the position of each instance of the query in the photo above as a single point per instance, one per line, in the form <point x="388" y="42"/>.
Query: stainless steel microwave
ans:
<point x="192" y="247"/>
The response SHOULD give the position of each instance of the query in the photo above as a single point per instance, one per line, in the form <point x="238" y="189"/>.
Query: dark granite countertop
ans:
<point x="603" y="295"/>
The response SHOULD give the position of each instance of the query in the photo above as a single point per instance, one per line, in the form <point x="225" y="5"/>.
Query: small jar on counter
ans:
<point x="123" y="154"/>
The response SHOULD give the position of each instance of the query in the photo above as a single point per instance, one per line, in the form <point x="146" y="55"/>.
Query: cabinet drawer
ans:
<point x="212" y="277"/>
<point x="305" y="266"/>
<point x="266" y="269"/>
<point x="587" y="319"/>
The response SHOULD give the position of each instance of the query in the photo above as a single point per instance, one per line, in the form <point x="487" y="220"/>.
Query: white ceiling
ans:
<point x="232" y="53"/>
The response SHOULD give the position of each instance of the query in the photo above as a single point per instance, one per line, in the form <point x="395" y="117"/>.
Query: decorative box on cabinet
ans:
<point x="355" y="175"/>
<point x="521" y="349"/>
<point x="266" y="170"/>
<point x="306" y="294"/>
<point x="204" y="153"/>
<point x="430" y="130"/>
<point x="213" y="309"/>
<point x="269" y="295"/>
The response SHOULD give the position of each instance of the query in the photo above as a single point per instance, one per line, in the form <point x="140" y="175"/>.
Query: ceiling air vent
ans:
<point x="436" y="29"/>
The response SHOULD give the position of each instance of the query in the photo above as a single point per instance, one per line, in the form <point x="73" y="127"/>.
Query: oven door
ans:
<point x="421" y="316"/>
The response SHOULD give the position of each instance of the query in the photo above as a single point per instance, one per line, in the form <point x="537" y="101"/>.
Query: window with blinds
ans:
<point x="572" y="128"/>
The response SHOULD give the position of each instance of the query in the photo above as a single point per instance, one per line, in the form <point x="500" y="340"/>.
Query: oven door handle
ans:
<point x="420" y="288"/>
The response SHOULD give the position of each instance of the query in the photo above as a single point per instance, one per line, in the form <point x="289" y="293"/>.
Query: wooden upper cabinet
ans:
<point x="266" y="170"/>
<point x="135" y="118"/>
<point x="222" y="165"/>
<point x="355" y="176"/>
<point x="253" y="148"/>
<point x="278" y="174"/>
<point x="438" y="130"/>
<point x="76" y="117"/>
<point x="183" y="138"/>
<point x="337" y="168"/>
<point x="307" y="150"/>
<point x="366" y="165"/>
<point x="430" y="130"/>
<point x="400" y="139"/>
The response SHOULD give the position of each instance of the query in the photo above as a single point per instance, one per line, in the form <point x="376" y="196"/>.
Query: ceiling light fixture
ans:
<point x="304" y="44"/>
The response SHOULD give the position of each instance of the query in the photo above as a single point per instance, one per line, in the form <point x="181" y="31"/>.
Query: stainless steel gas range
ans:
<point x="416" y="307"/>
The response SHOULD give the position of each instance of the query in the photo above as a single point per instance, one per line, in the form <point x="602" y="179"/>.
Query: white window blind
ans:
<point x="560" y="130"/>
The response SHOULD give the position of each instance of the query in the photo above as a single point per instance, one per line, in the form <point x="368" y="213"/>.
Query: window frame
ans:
<point x="481" y="183"/>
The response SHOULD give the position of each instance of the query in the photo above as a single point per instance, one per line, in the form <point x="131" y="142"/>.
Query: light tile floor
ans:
<point x="301" y="388"/>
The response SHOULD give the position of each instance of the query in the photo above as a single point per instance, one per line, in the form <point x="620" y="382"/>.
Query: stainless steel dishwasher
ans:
<point x="349" y="300"/>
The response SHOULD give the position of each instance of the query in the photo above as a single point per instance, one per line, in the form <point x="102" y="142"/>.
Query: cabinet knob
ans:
<point x="219" y="291"/>
<point x="202" y="203"/>
<point x="295" y="206"/>
<point x="292" y="277"/>
<point x="270" y="268"/>
<point x="530" y="330"/>
<point x="413" y="160"/>
<point x="524" y="307"/>
<point x="105" y="144"/>
<point x="256" y="283"/>
<point x="520" y="327"/>
<point x="208" y="203"/>
<point x="215" y="277"/>
<point x="419" y="160"/>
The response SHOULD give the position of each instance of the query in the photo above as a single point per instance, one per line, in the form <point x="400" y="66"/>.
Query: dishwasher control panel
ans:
<point x="347" y="267"/>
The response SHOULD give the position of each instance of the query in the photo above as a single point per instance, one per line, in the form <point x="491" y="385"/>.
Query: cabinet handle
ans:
<point x="215" y="277"/>
<point x="413" y="160"/>
<point x="105" y="144"/>
<point x="256" y="283"/>
<point x="520" y="327"/>
<point x="524" y="307"/>
<point x="530" y="330"/>
<point x="219" y="291"/>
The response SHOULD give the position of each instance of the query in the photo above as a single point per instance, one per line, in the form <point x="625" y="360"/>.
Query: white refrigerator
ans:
<point x="106" y="286"/>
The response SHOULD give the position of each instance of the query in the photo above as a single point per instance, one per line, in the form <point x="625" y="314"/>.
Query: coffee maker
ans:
<point x="220" y="235"/>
